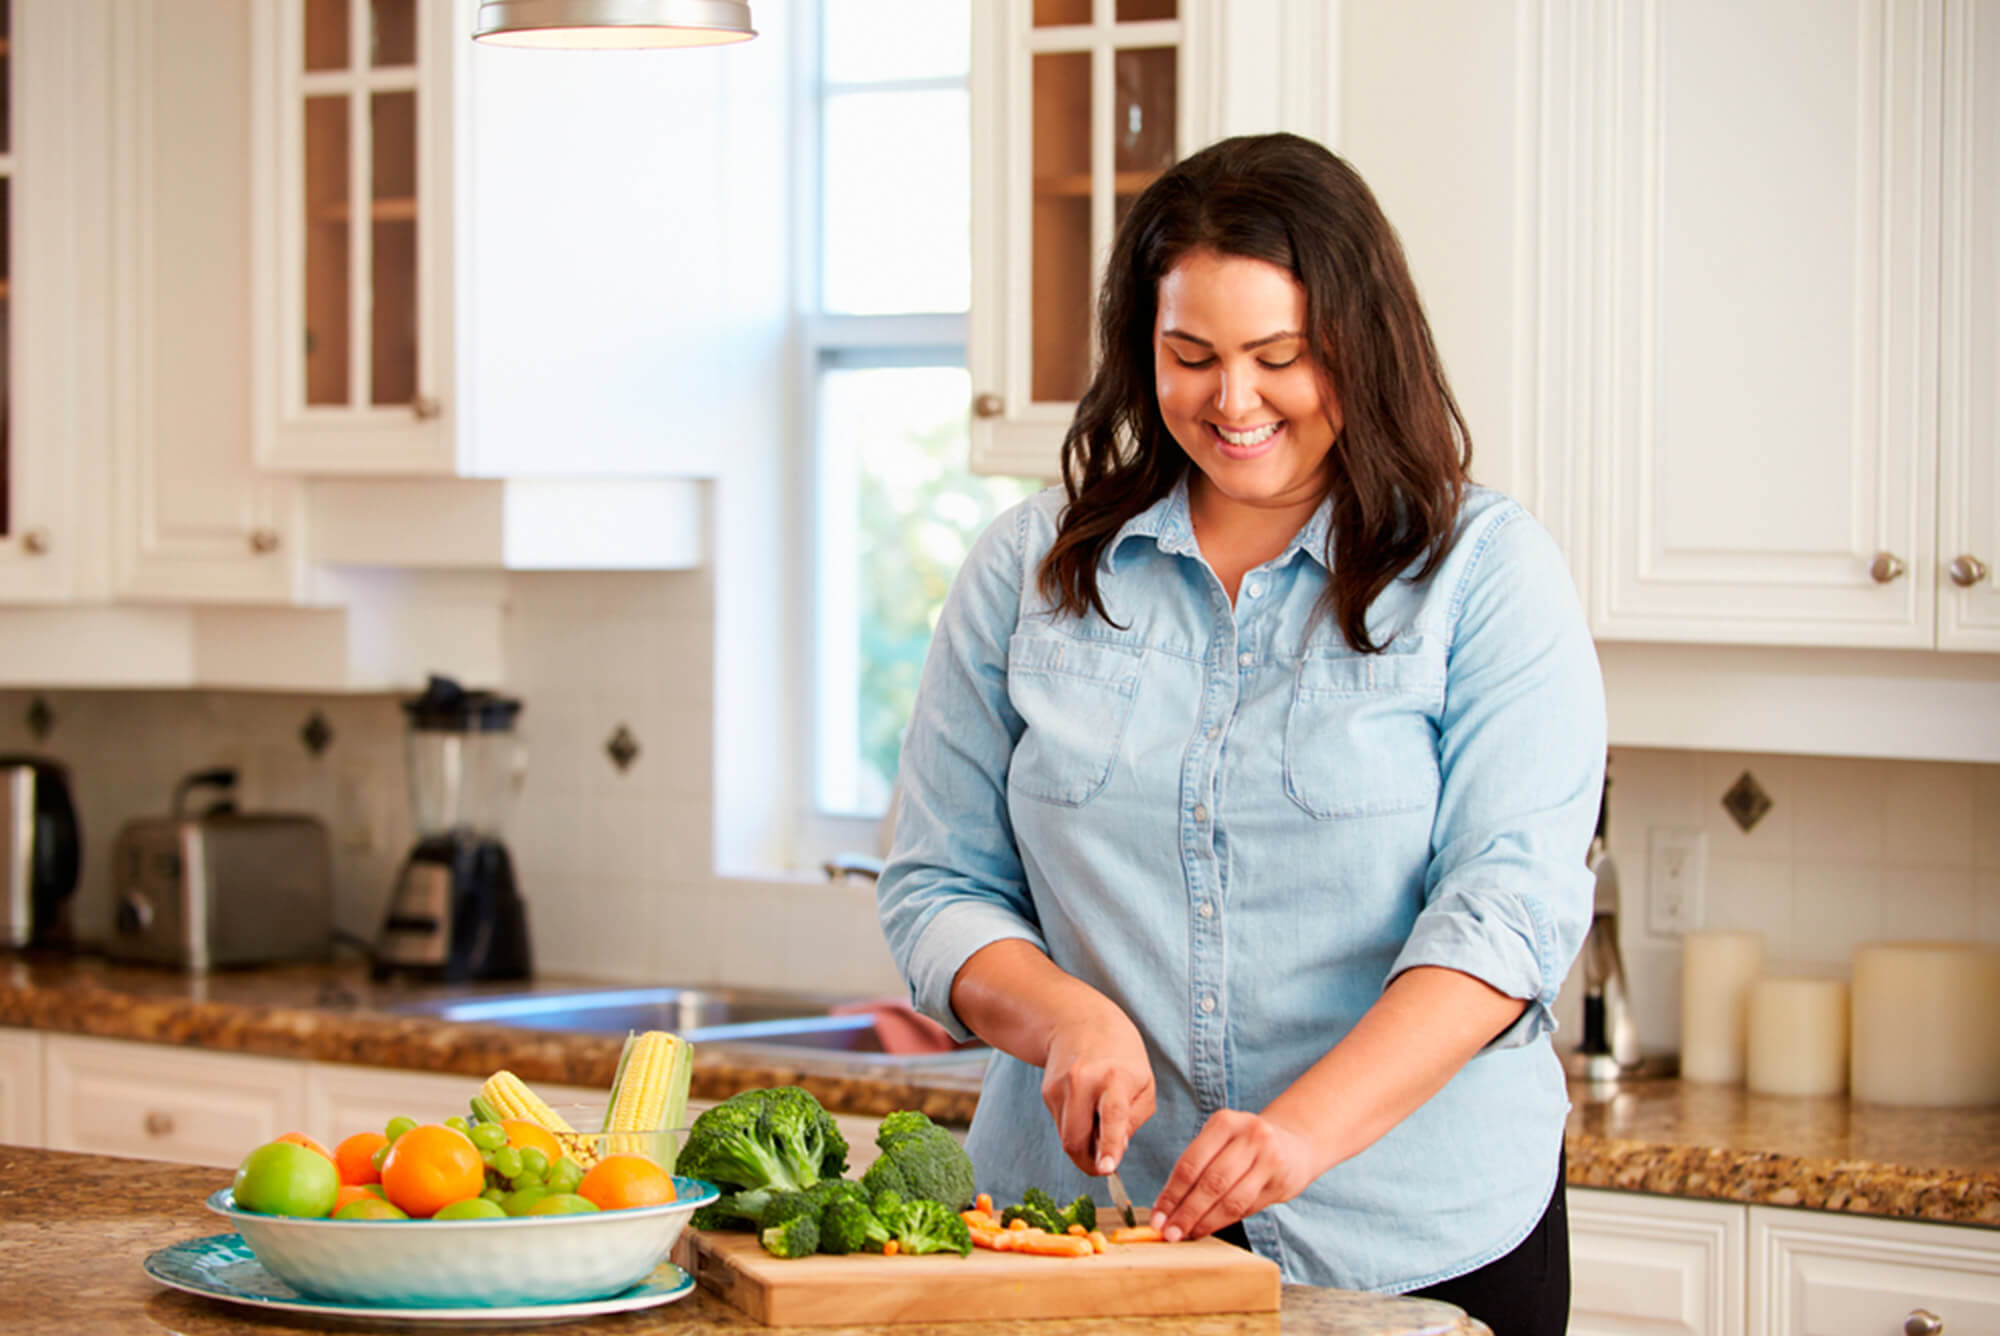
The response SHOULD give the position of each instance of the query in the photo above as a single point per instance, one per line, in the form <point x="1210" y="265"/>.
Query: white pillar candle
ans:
<point x="1797" y="1037"/>
<point x="1717" y="969"/>
<point x="1926" y="1024"/>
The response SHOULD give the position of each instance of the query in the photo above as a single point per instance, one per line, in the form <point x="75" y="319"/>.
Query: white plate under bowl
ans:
<point x="222" y="1266"/>
<point x="534" y="1259"/>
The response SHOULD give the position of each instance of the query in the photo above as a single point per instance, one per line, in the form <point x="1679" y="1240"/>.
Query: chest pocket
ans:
<point x="1076" y="698"/>
<point x="1359" y="739"/>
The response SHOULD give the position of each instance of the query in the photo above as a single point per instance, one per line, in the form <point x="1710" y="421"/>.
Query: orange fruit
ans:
<point x="301" y="1139"/>
<point x="355" y="1157"/>
<point x="354" y="1192"/>
<point x="430" y="1167"/>
<point x="522" y="1134"/>
<point x="618" y="1181"/>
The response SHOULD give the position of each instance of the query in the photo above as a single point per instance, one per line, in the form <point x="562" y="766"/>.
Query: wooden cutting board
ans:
<point x="1134" y="1279"/>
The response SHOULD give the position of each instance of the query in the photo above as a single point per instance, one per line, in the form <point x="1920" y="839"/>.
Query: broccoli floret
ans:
<point x="784" y="1206"/>
<point x="920" y="1160"/>
<point x="1043" y="1202"/>
<point x="1036" y="1217"/>
<point x="775" y="1138"/>
<point x="732" y="1210"/>
<point x="928" y="1227"/>
<point x="848" y="1226"/>
<point x="1082" y="1211"/>
<point x="886" y="1202"/>
<point x="796" y="1237"/>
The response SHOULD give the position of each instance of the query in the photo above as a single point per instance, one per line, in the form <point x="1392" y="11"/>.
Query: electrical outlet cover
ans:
<point x="1676" y="876"/>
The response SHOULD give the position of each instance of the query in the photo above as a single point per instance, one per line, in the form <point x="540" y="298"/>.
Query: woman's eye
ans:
<point x="1193" y="365"/>
<point x="1277" y="366"/>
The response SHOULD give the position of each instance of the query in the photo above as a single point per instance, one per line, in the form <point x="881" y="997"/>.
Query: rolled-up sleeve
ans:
<point x="953" y="881"/>
<point x="1521" y="739"/>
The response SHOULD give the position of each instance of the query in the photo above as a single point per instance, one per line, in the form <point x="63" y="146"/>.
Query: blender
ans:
<point x="455" y="914"/>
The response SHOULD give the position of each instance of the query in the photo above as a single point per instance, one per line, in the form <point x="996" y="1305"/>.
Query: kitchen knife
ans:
<point x="1121" y="1198"/>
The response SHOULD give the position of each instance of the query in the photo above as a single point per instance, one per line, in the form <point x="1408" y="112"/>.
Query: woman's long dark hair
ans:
<point x="1397" y="470"/>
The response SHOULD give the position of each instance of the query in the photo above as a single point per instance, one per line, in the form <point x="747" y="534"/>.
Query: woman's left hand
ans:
<point x="1239" y="1164"/>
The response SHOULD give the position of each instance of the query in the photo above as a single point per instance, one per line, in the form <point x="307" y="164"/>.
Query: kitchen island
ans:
<point x="74" y="1230"/>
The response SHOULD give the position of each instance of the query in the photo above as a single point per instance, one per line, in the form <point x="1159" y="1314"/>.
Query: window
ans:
<point x="894" y="509"/>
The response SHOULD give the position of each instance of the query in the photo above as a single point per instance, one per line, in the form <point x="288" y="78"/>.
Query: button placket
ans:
<point x="1203" y="871"/>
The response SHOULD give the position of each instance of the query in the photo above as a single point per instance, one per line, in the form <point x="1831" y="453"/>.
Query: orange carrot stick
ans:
<point x="1137" y="1234"/>
<point x="983" y="1203"/>
<point x="890" y="1249"/>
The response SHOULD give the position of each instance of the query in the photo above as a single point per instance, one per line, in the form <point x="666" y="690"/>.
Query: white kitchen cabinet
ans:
<point x="192" y="517"/>
<point x="1743" y="210"/>
<point x="1076" y="106"/>
<point x="1823" y="1274"/>
<point x="159" y="1102"/>
<point x="53" y="281"/>
<point x="1655" y="1265"/>
<point x="476" y="261"/>
<point x="20" y="1088"/>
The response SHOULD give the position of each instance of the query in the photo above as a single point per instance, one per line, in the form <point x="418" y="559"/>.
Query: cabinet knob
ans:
<point x="1886" y="567"/>
<point x="263" y="541"/>
<point x="1967" y="571"/>
<point x="159" y="1124"/>
<point x="988" y="405"/>
<point x="1922" y="1322"/>
<point x="35" y="542"/>
<point x="425" y="407"/>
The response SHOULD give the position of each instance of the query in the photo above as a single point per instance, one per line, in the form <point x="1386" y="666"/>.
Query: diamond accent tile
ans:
<point x="623" y="749"/>
<point x="1746" y="802"/>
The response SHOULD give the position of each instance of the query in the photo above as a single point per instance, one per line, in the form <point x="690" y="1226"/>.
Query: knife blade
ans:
<point x="1121" y="1198"/>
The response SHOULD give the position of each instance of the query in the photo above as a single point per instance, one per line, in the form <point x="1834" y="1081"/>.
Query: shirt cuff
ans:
<point x="947" y="942"/>
<point x="1498" y="938"/>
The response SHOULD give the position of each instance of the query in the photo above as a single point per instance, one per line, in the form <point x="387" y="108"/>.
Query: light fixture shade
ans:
<point x="599" y="24"/>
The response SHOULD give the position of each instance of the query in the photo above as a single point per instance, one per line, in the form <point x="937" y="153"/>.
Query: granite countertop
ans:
<point x="1671" y="1137"/>
<point x="74" y="1230"/>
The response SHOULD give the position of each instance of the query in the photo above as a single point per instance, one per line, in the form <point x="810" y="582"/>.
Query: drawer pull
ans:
<point x="159" y="1124"/>
<point x="1886" y="567"/>
<point x="1922" y="1322"/>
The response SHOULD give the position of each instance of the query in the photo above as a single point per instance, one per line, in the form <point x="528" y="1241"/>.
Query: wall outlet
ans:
<point x="1676" y="875"/>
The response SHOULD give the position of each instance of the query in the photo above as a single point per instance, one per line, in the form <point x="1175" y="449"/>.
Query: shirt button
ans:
<point x="1208" y="1001"/>
<point x="1207" y="909"/>
<point x="1201" y="812"/>
<point x="1213" y="729"/>
<point x="1245" y="658"/>
<point x="1253" y="589"/>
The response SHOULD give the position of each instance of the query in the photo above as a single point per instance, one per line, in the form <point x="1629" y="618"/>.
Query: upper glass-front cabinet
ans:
<point x="353" y="219"/>
<point x="1077" y="106"/>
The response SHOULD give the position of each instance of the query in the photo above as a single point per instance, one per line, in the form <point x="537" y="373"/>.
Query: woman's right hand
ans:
<point x="1096" y="1079"/>
<point x="1097" y="1084"/>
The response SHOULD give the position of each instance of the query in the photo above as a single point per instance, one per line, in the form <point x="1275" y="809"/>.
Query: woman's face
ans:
<point x="1236" y="385"/>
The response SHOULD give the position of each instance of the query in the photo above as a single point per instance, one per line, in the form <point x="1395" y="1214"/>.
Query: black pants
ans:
<point x="1525" y="1293"/>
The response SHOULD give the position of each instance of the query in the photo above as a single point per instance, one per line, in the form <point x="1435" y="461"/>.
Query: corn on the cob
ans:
<point x="649" y="1093"/>
<point x="508" y="1094"/>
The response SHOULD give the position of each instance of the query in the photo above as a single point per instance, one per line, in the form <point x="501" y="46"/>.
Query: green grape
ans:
<point x="489" y="1137"/>
<point x="457" y="1124"/>
<point x="517" y="1203"/>
<point x="381" y="1154"/>
<point x="486" y="1158"/>
<point x="564" y="1175"/>
<point x="534" y="1160"/>
<point x="495" y="1194"/>
<point x="507" y="1162"/>
<point x="397" y="1126"/>
<point x="524" y="1179"/>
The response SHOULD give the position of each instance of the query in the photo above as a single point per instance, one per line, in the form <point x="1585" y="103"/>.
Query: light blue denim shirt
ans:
<point x="1240" y="830"/>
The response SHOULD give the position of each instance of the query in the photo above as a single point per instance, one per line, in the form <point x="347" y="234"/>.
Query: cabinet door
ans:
<point x="20" y="1088"/>
<point x="351" y="233"/>
<point x="1821" y="1274"/>
<point x="1746" y="299"/>
<point x="342" y="1100"/>
<point x="194" y="518"/>
<point x="1969" y="403"/>
<point x="157" y="1102"/>
<point x="1654" y="1265"/>
<point x="1076" y="106"/>
<point x="52" y="294"/>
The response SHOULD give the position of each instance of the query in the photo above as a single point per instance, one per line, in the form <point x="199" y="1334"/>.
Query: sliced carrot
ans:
<point x="1018" y="1223"/>
<point x="1137" y="1234"/>
<point x="983" y="1203"/>
<point x="1054" y="1245"/>
<point x="1097" y="1241"/>
<point x="890" y="1249"/>
<point x="1076" y="1229"/>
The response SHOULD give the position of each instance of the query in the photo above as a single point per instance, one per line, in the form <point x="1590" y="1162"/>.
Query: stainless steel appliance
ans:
<point x="455" y="913"/>
<point x="41" y="853"/>
<point x="1610" y="1050"/>
<point x="221" y="888"/>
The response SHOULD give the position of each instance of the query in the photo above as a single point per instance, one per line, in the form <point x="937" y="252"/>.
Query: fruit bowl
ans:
<point x="467" y="1263"/>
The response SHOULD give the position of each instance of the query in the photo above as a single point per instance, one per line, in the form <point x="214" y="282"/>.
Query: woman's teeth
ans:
<point x="1254" y="436"/>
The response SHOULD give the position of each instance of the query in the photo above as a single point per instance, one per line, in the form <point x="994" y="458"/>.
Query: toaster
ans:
<point x="222" y="888"/>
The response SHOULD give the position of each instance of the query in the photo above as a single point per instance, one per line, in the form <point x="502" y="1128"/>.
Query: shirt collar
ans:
<point x="1168" y="523"/>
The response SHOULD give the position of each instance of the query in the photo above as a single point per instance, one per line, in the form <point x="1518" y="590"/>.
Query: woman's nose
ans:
<point x="1237" y="394"/>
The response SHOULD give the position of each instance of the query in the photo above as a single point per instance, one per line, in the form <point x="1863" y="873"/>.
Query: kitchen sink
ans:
<point x="782" y="1022"/>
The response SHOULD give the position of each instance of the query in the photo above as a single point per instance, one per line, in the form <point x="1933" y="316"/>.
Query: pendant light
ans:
<point x="577" y="24"/>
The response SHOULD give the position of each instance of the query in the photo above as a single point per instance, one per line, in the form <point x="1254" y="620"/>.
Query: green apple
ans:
<point x="280" y="1178"/>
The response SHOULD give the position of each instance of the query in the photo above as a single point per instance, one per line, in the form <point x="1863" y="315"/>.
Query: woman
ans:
<point x="1247" y="792"/>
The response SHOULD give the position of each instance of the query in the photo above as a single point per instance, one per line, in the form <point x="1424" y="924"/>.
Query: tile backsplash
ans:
<point x="617" y="865"/>
<point x="1850" y="851"/>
